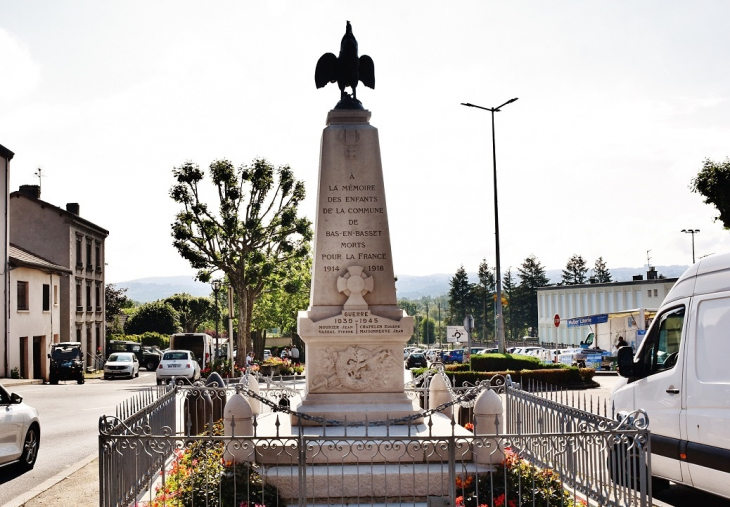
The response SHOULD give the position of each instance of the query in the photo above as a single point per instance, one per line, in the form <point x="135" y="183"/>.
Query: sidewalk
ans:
<point x="79" y="482"/>
<point x="8" y="383"/>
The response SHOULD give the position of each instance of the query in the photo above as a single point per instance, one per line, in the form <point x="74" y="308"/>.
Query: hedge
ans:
<point x="560" y="377"/>
<point x="500" y="362"/>
<point x="148" y="338"/>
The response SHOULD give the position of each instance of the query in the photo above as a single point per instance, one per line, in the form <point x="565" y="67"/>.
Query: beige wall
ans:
<point x="51" y="233"/>
<point x="25" y="325"/>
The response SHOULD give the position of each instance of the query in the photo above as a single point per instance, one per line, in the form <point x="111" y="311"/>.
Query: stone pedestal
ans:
<point x="353" y="331"/>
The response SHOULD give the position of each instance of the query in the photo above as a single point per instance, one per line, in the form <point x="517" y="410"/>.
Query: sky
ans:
<point x="619" y="104"/>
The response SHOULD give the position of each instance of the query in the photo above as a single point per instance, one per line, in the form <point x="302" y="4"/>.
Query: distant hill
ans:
<point x="416" y="287"/>
<point x="145" y="290"/>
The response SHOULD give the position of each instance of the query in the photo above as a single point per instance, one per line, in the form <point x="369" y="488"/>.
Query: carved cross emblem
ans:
<point x="355" y="284"/>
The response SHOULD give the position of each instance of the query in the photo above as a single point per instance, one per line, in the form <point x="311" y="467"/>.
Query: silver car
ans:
<point x="178" y="363"/>
<point x="20" y="431"/>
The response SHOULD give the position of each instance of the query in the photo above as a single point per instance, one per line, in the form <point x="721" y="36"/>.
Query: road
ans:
<point x="69" y="415"/>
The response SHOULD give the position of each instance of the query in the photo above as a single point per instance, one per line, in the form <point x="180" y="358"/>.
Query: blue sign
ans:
<point x="588" y="321"/>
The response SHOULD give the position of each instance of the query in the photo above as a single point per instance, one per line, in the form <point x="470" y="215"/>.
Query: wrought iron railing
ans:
<point x="169" y="449"/>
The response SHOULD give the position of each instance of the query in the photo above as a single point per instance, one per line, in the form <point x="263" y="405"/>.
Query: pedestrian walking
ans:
<point x="294" y="354"/>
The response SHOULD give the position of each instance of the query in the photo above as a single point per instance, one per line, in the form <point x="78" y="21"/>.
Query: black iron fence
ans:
<point x="174" y="447"/>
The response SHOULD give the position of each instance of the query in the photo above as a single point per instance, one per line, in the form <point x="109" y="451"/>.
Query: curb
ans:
<point x="49" y="483"/>
<point x="10" y="382"/>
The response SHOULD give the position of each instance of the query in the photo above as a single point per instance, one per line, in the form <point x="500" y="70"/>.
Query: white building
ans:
<point x="621" y="300"/>
<point x="35" y="315"/>
<point x="5" y="157"/>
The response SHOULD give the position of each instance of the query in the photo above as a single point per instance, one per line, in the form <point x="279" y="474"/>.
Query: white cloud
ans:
<point x="21" y="74"/>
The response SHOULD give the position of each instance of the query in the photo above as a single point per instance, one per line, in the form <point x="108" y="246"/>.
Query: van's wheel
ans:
<point x="80" y="380"/>
<point x="150" y="365"/>
<point x="53" y="380"/>
<point x="30" y="448"/>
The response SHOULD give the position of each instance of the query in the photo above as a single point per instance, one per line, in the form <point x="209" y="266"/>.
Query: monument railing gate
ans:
<point x="168" y="447"/>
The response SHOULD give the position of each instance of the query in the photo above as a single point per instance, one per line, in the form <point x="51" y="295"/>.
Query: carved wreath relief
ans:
<point x="356" y="368"/>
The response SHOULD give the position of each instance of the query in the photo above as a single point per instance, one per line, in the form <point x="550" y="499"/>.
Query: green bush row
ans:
<point x="148" y="338"/>
<point x="499" y="362"/>
<point x="559" y="377"/>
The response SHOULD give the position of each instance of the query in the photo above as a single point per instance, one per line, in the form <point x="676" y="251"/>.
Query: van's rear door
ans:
<point x="708" y="395"/>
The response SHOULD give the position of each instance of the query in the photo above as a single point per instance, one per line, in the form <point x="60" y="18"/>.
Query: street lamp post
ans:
<point x="216" y="287"/>
<point x="500" y="320"/>
<point x="692" y="232"/>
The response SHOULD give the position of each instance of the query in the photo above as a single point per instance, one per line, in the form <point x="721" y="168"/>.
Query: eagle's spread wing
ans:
<point x="367" y="71"/>
<point x="326" y="71"/>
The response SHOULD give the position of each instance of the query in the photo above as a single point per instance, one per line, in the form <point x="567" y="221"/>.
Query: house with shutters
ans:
<point x="64" y="238"/>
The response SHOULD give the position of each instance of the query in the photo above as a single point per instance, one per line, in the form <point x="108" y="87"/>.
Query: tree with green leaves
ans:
<point x="532" y="276"/>
<point x="460" y="297"/>
<point x="484" y="299"/>
<point x="156" y="317"/>
<point x="191" y="311"/>
<point x="115" y="300"/>
<point x="713" y="183"/>
<point x="428" y="330"/>
<point x="601" y="272"/>
<point x="575" y="271"/>
<point x="282" y="298"/>
<point x="252" y="235"/>
<point x="509" y="310"/>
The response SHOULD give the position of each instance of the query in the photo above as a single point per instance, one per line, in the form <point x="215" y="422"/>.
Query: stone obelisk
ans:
<point x="354" y="331"/>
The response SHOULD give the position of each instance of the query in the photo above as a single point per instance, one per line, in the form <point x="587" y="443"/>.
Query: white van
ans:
<point x="680" y="376"/>
<point x="200" y="344"/>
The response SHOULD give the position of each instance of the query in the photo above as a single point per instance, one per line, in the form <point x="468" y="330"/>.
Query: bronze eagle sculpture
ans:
<point x="346" y="69"/>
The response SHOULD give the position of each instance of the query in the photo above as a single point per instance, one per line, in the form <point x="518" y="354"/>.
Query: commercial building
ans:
<point x="66" y="239"/>
<point x="629" y="301"/>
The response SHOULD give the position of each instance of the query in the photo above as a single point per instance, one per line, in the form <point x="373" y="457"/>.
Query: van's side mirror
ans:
<point x="49" y="356"/>
<point x="625" y="360"/>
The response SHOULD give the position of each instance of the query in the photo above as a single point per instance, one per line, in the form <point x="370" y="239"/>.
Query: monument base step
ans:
<point x="369" y="407"/>
<point x="277" y="441"/>
<point x="367" y="484"/>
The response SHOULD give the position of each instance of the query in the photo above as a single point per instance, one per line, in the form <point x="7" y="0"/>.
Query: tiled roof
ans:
<point x="24" y="258"/>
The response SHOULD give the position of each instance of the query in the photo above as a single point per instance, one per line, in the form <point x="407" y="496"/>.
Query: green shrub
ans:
<point x="516" y="483"/>
<point x="501" y="362"/>
<point x="152" y="338"/>
<point x="199" y="474"/>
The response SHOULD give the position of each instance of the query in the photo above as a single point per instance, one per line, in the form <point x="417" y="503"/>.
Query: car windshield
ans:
<point x="120" y="358"/>
<point x="175" y="356"/>
<point x="66" y="353"/>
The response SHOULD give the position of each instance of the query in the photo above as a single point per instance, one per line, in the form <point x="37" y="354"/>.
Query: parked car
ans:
<point x="680" y="377"/>
<point x="454" y="356"/>
<point x="178" y="363"/>
<point x="525" y="350"/>
<point x="121" y="364"/>
<point x="66" y="362"/>
<point x="433" y="355"/>
<point x="267" y="354"/>
<point x="149" y="357"/>
<point x="20" y="431"/>
<point x="416" y="360"/>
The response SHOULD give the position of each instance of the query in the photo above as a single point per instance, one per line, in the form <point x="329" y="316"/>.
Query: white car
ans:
<point x="20" y="431"/>
<point x="178" y="363"/>
<point x="121" y="364"/>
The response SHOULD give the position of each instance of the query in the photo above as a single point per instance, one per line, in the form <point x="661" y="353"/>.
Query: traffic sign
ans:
<point x="556" y="320"/>
<point x="456" y="334"/>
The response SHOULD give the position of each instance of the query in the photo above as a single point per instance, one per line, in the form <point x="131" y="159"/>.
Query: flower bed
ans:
<point x="515" y="483"/>
<point x="200" y="476"/>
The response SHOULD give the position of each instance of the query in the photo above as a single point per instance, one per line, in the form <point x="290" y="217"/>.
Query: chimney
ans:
<point x="651" y="274"/>
<point x="638" y="278"/>
<point x="72" y="207"/>
<point x="33" y="191"/>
